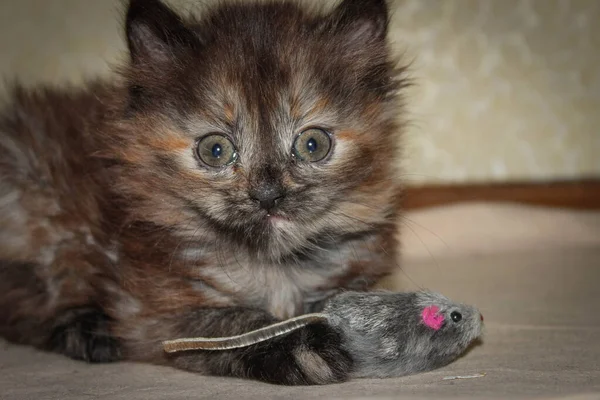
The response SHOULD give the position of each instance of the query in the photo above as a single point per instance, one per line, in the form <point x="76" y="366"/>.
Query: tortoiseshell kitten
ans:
<point x="240" y="170"/>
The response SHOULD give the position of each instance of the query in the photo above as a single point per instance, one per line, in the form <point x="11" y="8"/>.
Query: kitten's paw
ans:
<point x="313" y="355"/>
<point x="83" y="334"/>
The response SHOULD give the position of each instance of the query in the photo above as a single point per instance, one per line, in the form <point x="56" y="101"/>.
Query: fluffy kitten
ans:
<point x="240" y="170"/>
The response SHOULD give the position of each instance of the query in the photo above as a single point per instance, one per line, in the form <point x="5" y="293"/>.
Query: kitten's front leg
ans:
<point x="309" y="356"/>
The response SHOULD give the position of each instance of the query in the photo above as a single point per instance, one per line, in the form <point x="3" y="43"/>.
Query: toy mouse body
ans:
<point x="395" y="334"/>
<point x="387" y="334"/>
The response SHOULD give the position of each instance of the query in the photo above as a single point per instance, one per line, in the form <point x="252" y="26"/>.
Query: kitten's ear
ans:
<point x="363" y="21"/>
<point x="155" y="33"/>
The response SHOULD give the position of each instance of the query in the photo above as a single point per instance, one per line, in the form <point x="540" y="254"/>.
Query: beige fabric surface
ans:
<point x="533" y="272"/>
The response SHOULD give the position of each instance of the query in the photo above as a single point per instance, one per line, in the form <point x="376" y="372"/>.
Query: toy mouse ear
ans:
<point x="155" y="32"/>
<point x="432" y="317"/>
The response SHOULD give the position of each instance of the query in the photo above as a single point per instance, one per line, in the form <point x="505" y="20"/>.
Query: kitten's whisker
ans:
<point x="220" y="261"/>
<point x="356" y="203"/>
<point x="176" y="250"/>
<point x="353" y="249"/>
<point x="341" y="213"/>
<point x="237" y="261"/>
<point x="424" y="245"/>
<point x="399" y="267"/>
<point x="406" y="219"/>
<point x="168" y="230"/>
<point x="339" y="251"/>
<point x="196" y="242"/>
<point x="396" y="262"/>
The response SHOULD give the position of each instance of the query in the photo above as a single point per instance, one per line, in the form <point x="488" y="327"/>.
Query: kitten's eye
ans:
<point x="216" y="151"/>
<point x="312" y="145"/>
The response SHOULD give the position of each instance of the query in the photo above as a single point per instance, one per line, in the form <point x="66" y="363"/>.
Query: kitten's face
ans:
<point x="263" y="126"/>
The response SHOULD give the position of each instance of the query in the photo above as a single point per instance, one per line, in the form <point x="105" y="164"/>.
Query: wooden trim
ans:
<point x="582" y="194"/>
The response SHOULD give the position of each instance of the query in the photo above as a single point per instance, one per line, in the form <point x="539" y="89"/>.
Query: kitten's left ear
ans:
<point x="155" y="33"/>
<point x="365" y="21"/>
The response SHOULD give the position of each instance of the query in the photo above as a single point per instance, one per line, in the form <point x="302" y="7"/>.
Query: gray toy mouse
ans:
<point x="394" y="334"/>
<point x="387" y="334"/>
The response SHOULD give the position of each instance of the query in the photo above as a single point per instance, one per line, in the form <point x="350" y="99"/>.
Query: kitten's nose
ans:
<point x="268" y="195"/>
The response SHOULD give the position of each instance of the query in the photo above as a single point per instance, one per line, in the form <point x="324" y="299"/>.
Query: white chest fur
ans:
<point x="283" y="290"/>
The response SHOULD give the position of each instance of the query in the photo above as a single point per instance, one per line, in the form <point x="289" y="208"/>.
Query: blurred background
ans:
<point x="508" y="90"/>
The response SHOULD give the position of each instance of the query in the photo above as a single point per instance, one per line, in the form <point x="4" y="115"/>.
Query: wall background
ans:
<point x="507" y="90"/>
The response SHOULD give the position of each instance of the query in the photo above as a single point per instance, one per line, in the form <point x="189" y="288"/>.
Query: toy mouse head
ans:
<point x="435" y="319"/>
<point x="450" y="326"/>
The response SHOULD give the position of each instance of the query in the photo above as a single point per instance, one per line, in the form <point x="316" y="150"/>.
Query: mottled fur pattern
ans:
<point x="114" y="236"/>
<point x="385" y="334"/>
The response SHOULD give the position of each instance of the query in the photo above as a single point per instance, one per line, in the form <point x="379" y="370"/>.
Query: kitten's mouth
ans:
<point x="275" y="217"/>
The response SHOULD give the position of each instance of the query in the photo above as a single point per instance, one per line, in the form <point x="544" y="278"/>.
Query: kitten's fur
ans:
<point x="114" y="237"/>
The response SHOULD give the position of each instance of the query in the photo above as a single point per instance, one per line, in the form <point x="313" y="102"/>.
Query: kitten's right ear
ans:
<point x="155" y="33"/>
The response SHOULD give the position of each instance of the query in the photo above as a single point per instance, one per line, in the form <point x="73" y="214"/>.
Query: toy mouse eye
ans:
<point x="456" y="316"/>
